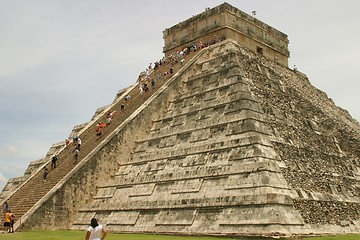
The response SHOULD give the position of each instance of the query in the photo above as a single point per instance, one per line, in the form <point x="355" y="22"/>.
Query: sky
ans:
<point x="60" y="60"/>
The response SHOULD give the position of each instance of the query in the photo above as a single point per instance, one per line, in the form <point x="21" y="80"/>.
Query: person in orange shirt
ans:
<point x="7" y="221"/>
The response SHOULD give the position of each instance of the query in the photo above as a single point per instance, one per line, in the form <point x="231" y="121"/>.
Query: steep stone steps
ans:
<point x="35" y="188"/>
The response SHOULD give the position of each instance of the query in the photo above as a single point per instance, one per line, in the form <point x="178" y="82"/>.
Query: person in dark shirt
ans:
<point x="53" y="161"/>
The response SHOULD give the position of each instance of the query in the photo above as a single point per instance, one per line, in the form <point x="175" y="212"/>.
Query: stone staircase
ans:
<point x="28" y="195"/>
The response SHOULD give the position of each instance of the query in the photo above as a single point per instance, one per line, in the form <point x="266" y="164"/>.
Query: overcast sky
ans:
<point x="60" y="60"/>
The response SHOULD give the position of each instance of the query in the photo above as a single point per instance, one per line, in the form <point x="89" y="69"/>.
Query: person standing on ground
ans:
<point x="53" y="161"/>
<point x="7" y="221"/>
<point x="12" y="221"/>
<point x="95" y="231"/>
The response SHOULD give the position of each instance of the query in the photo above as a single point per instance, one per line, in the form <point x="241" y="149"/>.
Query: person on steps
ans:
<point x="53" y="161"/>
<point x="45" y="174"/>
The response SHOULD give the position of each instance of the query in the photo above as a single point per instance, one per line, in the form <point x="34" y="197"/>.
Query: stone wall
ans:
<point x="228" y="22"/>
<point x="317" y="141"/>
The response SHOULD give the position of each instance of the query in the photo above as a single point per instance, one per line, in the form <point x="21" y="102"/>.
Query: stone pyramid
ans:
<point x="234" y="144"/>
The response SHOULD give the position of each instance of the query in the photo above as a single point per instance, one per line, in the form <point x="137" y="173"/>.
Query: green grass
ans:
<point x="339" y="237"/>
<point x="73" y="235"/>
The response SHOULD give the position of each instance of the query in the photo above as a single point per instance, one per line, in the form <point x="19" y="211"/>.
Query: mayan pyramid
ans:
<point x="233" y="143"/>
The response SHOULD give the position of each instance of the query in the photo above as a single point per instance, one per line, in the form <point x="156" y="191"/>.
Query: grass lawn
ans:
<point x="73" y="235"/>
<point x="339" y="237"/>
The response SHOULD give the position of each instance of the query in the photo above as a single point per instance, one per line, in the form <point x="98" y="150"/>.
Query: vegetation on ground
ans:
<point x="73" y="235"/>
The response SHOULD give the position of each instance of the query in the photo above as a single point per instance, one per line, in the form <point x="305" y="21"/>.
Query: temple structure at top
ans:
<point x="226" y="21"/>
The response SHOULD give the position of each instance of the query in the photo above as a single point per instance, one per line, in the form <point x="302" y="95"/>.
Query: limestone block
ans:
<point x="211" y="95"/>
<point x="205" y="66"/>
<point x="84" y="217"/>
<point x="178" y="121"/>
<point x="200" y="135"/>
<point x="166" y="123"/>
<point x="156" y="126"/>
<point x="211" y="186"/>
<point x="142" y="190"/>
<point x="173" y="217"/>
<point x="147" y="220"/>
<point x="141" y="147"/>
<point x="105" y="192"/>
<point x="212" y="80"/>
<point x="123" y="218"/>
<point x="183" y="137"/>
<point x="235" y="71"/>
<point x="155" y="166"/>
<point x="167" y="141"/>
<point x="187" y="186"/>
<point x="257" y="179"/>
<point x="153" y="143"/>
<point x="255" y="150"/>
<point x="123" y="170"/>
<point x="239" y="89"/>
<point x="242" y="104"/>
<point x="193" y="160"/>
<point x="246" y="126"/>
<point x="121" y="195"/>
<point x="277" y="214"/>
<point x="205" y="114"/>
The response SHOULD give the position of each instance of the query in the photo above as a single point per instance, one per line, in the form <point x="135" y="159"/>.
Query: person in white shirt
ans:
<point x="95" y="231"/>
